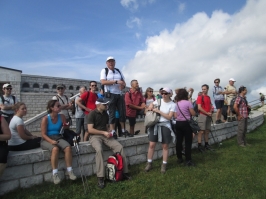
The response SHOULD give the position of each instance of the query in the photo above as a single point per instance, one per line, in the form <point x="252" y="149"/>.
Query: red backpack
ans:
<point x="114" y="168"/>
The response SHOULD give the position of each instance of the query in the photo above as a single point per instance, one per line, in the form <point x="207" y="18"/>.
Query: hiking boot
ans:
<point x="242" y="145"/>
<point x="115" y="135"/>
<point x="233" y="119"/>
<point x="218" y="122"/>
<point x="208" y="147"/>
<point x="183" y="152"/>
<point x="71" y="175"/>
<point x="248" y="144"/>
<point x="100" y="183"/>
<point x="148" y="166"/>
<point x="180" y="161"/>
<point x="163" y="168"/>
<point x="130" y="135"/>
<point x="201" y="149"/>
<point x="137" y="132"/>
<point x="190" y="164"/>
<point x="56" y="178"/>
<point x="229" y="119"/>
<point x="126" y="176"/>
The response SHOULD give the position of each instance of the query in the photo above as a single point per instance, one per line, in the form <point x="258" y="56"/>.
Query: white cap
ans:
<point x="232" y="79"/>
<point x="7" y="85"/>
<point x="168" y="90"/>
<point x="110" y="58"/>
<point x="101" y="101"/>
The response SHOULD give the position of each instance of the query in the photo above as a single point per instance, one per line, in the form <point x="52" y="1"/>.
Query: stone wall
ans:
<point x="28" y="168"/>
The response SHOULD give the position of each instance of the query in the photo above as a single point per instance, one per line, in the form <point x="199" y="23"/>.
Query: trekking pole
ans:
<point x="218" y="143"/>
<point x="80" y="165"/>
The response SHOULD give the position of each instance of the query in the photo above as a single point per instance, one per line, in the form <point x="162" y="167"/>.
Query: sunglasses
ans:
<point x="216" y="82"/>
<point x="60" y="88"/>
<point x="150" y="91"/>
<point x="93" y="85"/>
<point x="165" y="93"/>
<point x="9" y="89"/>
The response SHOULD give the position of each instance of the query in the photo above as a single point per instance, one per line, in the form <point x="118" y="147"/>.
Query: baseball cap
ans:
<point x="7" y="85"/>
<point x="232" y="79"/>
<point x="110" y="58"/>
<point x="101" y="101"/>
<point x="60" y="86"/>
<point x="168" y="90"/>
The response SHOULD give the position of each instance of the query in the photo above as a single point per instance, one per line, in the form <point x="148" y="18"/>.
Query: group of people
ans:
<point x="97" y="115"/>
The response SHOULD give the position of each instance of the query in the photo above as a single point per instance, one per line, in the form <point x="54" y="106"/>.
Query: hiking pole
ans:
<point x="80" y="165"/>
<point x="218" y="143"/>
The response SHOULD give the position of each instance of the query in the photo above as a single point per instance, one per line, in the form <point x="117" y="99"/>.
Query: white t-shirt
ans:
<point x="166" y="107"/>
<point x="149" y="101"/>
<point x="7" y="101"/>
<point x="63" y="100"/>
<point x="112" y="76"/>
<point x="79" y="112"/>
<point x="15" y="137"/>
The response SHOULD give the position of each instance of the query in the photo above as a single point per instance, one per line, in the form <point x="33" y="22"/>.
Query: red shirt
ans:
<point x="135" y="98"/>
<point x="90" y="100"/>
<point x="205" y="102"/>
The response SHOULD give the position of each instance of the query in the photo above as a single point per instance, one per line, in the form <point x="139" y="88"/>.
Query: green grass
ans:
<point x="228" y="172"/>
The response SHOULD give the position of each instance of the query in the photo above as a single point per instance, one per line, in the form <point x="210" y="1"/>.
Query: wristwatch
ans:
<point x="116" y="82"/>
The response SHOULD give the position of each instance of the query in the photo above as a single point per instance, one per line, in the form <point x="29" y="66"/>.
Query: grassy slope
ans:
<point x="228" y="172"/>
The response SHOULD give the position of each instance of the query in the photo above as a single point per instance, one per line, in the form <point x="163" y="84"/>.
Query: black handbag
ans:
<point x="69" y="135"/>
<point x="192" y="123"/>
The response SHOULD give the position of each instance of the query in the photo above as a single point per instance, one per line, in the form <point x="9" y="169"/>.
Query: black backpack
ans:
<point x="106" y="73"/>
<point x="240" y="102"/>
<point x="195" y="105"/>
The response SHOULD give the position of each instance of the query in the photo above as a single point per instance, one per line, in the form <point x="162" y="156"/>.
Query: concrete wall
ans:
<point x="28" y="168"/>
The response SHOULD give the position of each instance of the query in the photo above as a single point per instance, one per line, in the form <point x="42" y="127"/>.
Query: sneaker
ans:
<point x="56" y="178"/>
<point x="115" y="135"/>
<point x="201" y="149"/>
<point x="190" y="164"/>
<point x="126" y="176"/>
<point x="130" y="135"/>
<point x="100" y="183"/>
<point x="71" y="175"/>
<point x="137" y="132"/>
<point x="148" y="166"/>
<point x="163" y="168"/>
<point x="126" y="133"/>
<point x="218" y="122"/>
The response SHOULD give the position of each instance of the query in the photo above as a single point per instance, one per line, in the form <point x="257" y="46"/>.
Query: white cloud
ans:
<point x="203" y="48"/>
<point x="138" y="35"/>
<point x="134" y="21"/>
<point x="181" y="7"/>
<point x="133" y="5"/>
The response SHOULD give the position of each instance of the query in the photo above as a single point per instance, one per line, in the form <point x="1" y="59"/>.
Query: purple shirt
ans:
<point x="184" y="105"/>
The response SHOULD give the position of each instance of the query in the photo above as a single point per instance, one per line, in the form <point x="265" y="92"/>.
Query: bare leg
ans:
<point x="206" y="135"/>
<point x="199" y="136"/>
<point x="151" y="150"/>
<point x="68" y="156"/>
<point x="132" y="130"/>
<point x="165" y="152"/>
<point x="54" y="157"/>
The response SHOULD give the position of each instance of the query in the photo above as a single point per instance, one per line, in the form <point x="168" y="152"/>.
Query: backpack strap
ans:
<point x="2" y="98"/>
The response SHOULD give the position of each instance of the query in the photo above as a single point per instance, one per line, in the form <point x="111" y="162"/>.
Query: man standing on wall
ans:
<point x="64" y="102"/>
<point x="113" y="81"/>
<point x="241" y="109"/>
<point x="134" y="102"/>
<point x="7" y="102"/>
<point x="79" y="115"/>
<point x="262" y="98"/>
<point x="87" y="102"/>
<point x="218" y="96"/>
<point x="204" y="119"/>
<point x="231" y="93"/>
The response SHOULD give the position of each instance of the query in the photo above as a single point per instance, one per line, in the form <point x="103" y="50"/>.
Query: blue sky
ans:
<point x="73" y="38"/>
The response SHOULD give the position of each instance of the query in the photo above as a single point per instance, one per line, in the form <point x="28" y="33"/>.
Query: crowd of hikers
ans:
<point x="100" y="120"/>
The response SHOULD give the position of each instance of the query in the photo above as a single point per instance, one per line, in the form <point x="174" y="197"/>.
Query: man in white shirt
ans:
<point x="114" y="81"/>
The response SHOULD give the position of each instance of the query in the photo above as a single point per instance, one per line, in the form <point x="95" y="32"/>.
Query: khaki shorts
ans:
<point x="62" y="144"/>
<point x="204" y="122"/>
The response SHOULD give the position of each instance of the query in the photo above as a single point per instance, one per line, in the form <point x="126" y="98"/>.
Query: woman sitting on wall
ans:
<point x="21" y="138"/>
<point x="4" y="136"/>
<point x="53" y="141"/>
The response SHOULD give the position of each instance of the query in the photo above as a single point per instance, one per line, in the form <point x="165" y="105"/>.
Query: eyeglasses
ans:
<point x="165" y="93"/>
<point x="150" y="91"/>
<point x="93" y="85"/>
<point x="60" y="88"/>
<point x="9" y="89"/>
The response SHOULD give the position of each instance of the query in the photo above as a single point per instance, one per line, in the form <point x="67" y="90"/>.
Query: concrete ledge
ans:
<point x="28" y="168"/>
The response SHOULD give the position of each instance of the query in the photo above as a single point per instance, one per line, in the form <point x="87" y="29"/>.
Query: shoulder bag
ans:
<point x="192" y="123"/>
<point x="151" y="117"/>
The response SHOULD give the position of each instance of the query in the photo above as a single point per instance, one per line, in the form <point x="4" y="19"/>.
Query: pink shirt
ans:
<point x="184" y="106"/>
